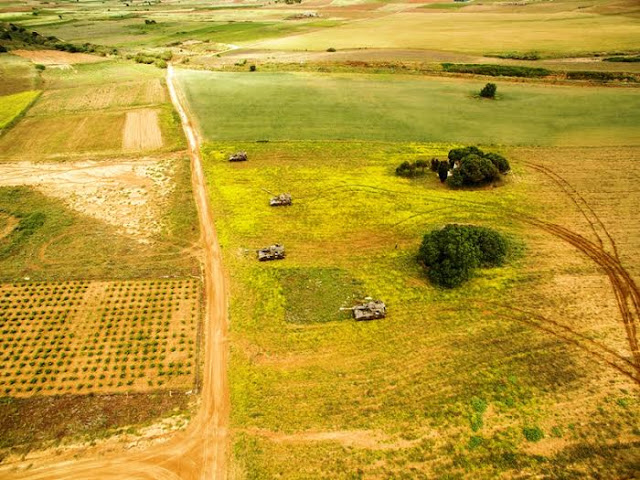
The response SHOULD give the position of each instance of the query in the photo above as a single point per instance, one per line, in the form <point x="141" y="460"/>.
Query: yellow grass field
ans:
<point x="11" y="106"/>
<point x="562" y="34"/>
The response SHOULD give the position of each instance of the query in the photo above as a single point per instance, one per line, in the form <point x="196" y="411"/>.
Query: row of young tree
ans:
<point x="464" y="167"/>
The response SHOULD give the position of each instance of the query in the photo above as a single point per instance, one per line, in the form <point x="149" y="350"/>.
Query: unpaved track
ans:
<point x="200" y="451"/>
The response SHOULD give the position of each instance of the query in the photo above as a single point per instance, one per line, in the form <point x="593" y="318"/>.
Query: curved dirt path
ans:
<point x="200" y="451"/>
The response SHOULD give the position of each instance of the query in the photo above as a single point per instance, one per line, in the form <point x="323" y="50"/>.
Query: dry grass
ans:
<point x="109" y="95"/>
<point x="82" y="337"/>
<point x="562" y="33"/>
<point x="37" y="136"/>
<point x="54" y="57"/>
<point x="141" y="131"/>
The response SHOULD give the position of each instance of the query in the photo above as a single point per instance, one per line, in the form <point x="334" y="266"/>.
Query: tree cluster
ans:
<point x="412" y="169"/>
<point x="453" y="253"/>
<point x="470" y="166"/>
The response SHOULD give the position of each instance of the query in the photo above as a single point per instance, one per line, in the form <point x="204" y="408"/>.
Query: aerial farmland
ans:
<point x="333" y="239"/>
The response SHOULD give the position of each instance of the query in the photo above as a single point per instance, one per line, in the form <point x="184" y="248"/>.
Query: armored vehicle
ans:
<point x="238" y="157"/>
<point x="281" y="200"/>
<point x="370" y="310"/>
<point x="274" y="252"/>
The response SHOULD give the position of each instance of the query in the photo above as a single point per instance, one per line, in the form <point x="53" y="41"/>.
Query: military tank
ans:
<point x="282" y="200"/>
<point x="238" y="157"/>
<point x="273" y="252"/>
<point x="370" y="310"/>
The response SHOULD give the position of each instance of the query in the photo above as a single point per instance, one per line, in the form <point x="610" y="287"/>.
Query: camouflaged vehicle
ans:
<point x="274" y="252"/>
<point x="371" y="310"/>
<point x="238" y="157"/>
<point x="282" y="200"/>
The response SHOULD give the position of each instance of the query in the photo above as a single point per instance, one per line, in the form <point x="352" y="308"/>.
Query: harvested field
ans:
<point x="82" y="337"/>
<point x="17" y="75"/>
<point x="109" y="95"/>
<point x="126" y="194"/>
<point x="35" y="137"/>
<point x="54" y="57"/>
<point x="141" y="131"/>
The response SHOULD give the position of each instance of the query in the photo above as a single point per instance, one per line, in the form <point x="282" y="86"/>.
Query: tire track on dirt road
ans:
<point x="199" y="452"/>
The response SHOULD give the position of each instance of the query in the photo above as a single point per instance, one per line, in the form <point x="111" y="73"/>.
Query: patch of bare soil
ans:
<point x="7" y="224"/>
<point x="141" y="131"/>
<point x="368" y="439"/>
<point x="54" y="57"/>
<point x="126" y="194"/>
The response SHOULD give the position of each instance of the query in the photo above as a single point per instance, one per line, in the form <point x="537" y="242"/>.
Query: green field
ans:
<point x="12" y="106"/>
<point x="301" y="106"/>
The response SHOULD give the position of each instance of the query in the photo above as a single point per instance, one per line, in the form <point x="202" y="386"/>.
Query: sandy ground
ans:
<point x="125" y="194"/>
<point x="7" y="225"/>
<point x="201" y="450"/>
<point x="54" y="57"/>
<point x="141" y="131"/>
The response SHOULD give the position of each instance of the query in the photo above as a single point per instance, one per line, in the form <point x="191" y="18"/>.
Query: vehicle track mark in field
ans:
<point x="581" y="203"/>
<point x="624" y="287"/>
<point x="597" y="350"/>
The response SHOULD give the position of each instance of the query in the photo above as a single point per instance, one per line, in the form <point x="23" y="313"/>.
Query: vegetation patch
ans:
<point x="13" y="106"/>
<point x="602" y="76"/>
<point x="496" y="70"/>
<point x="454" y="252"/>
<point x="89" y="337"/>
<point x="315" y="295"/>
<point x="41" y="421"/>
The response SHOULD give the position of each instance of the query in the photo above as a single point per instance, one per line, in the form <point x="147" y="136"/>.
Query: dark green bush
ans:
<point x="412" y="169"/>
<point x="457" y="154"/>
<point x="474" y="170"/>
<point x="501" y="163"/>
<point x="452" y="253"/>
<point x="443" y="171"/>
<point x="489" y="91"/>
<point x="533" y="434"/>
<point x="496" y="70"/>
<point x="518" y="56"/>
<point x="3" y="49"/>
<point x="601" y="76"/>
<point x="40" y="67"/>
<point x="622" y="59"/>
<point x="331" y="49"/>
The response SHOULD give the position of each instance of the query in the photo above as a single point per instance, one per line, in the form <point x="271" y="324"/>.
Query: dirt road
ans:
<point x="200" y="451"/>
